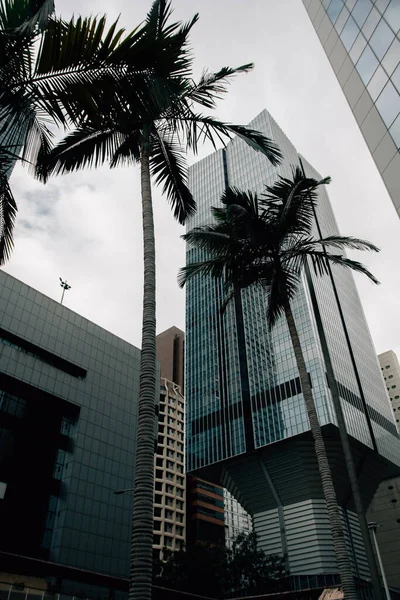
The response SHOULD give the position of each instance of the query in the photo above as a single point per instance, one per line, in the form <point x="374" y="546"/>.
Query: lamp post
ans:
<point x="373" y="527"/>
<point x="65" y="286"/>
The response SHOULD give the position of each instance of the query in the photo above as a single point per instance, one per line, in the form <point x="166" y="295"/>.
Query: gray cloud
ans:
<point x="86" y="227"/>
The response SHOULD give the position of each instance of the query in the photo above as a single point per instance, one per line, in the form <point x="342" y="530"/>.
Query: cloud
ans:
<point x="86" y="227"/>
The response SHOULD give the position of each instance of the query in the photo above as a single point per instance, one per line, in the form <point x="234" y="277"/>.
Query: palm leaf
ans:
<point x="85" y="147"/>
<point x="38" y="13"/>
<point x="8" y="212"/>
<point x="212" y="86"/>
<point x="169" y="169"/>
<point x="213" y="267"/>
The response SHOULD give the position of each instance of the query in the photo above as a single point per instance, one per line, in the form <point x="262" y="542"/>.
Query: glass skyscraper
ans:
<point x="360" y="38"/>
<point x="247" y="425"/>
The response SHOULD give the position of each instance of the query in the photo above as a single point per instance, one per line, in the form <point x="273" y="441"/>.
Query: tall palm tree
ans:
<point x="152" y="119"/>
<point x="51" y="71"/>
<point x="267" y="242"/>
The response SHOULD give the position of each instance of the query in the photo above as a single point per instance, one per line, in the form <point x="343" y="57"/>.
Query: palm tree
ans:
<point x="51" y="71"/>
<point x="267" y="242"/>
<point x="152" y="119"/>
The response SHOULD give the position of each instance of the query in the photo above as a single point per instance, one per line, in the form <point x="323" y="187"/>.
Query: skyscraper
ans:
<point x="360" y="38"/>
<point x="254" y="438"/>
<point x="391" y="374"/>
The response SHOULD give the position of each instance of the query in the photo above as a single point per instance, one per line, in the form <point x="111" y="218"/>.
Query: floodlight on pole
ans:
<point x="65" y="286"/>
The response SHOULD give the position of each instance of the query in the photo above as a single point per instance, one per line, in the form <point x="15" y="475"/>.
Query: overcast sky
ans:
<point x="86" y="227"/>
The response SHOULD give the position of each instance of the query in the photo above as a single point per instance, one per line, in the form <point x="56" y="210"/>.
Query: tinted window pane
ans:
<point x="396" y="78"/>
<point x="381" y="39"/>
<point x="367" y="64"/>
<point x="344" y="15"/>
<point x="334" y="9"/>
<point x="395" y="131"/>
<point x="388" y="104"/>
<point x="392" y="15"/>
<point x="371" y="23"/>
<point x="358" y="47"/>
<point x="350" y="4"/>
<point x="381" y="5"/>
<point x="349" y="33"/>
<point x="326" y="3"/>
<point x="377" y="83"/>
<point x="361" y="11"/>
<point x="392" y="57"/>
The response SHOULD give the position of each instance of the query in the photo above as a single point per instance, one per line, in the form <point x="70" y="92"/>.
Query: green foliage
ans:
<point x="266" y="241"/>
<point x="218" y="572"/>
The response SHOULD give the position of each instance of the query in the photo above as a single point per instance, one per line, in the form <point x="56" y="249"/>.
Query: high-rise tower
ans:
<point x="247" y="425"/>
<point x="360" y="38"/>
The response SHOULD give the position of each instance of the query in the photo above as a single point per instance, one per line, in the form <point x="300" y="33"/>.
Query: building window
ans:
<point x="159" y="474"/>
<point x="393" y="386"/>
<point x="157" y="525"/>
<point x="157" y="499"/>
<point x="158" y="486"/>
<point x="157" y="511"/>
<point x="387" y="367"/>
<point x="179" y="530"/>
<point x="156" y="540"/>
<point x="159" y="461"/>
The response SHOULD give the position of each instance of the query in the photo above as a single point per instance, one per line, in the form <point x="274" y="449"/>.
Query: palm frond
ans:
<point x="169" y="169"/>
<point x="38" y="13"/>
<point x="208" y="238"/>
<point x="84" y="147"/>
<point x="321" y="259"/>
<point x="337" y="241"/>
<point x="212" y="86"/>
<point x="213" y="267"/>
<point x="202" y="128"/>
<point x="8" y="213"/>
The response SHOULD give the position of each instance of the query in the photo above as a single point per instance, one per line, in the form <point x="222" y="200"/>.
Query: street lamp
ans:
<point x="65" y="286"/>
<point x="118" y="492"/>
<point x="373" y="527"/>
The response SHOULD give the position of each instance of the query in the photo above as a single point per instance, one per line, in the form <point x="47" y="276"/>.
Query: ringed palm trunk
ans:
<point x="335" y="522"/>
<point x="142" y="519"/>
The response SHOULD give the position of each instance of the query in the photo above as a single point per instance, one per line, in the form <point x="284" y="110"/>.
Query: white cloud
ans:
<point x="86" y="227"/>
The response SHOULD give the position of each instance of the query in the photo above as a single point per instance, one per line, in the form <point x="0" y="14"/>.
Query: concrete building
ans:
<point x="170" y="480"/>
<point x="237" y="519"/>
<point x="68" y="411"/>
<point x="390" y="368"/>
<point x="170" y="349"/>
<point x="258" y="444"/>
<point x="361" y="40"/>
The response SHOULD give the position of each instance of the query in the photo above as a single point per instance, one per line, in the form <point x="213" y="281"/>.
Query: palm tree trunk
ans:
<point x="142" y="518"/>
<point x="335" y="522"/>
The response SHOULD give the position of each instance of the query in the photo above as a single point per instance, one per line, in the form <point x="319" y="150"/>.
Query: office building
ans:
<point x="237" y="519"/>
<point x="360" y="38"/>
<point x="259" y="445"/>
<point x="385" y="506"/>
<point x="170" y="480"/>
<point x="68" y="410"/>
<point x="391" y="374"/>
<point x="205" y="511"/>
<point x="170" y="350"/>
<point x="202" y="506"/>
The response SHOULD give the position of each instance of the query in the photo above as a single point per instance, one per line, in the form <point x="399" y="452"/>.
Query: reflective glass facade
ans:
<point x="68" y="413"/>
<point x="217" y="410"/>
<point x="361" y="39"/>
